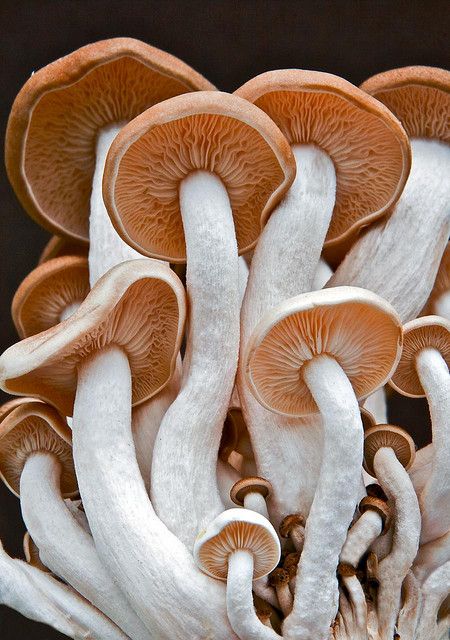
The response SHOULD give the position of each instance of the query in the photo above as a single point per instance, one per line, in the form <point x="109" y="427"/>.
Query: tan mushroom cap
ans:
<point x="289" y="522"/>
<point x="253" y="484"/>
<point x="32" y="553"/>
<point x="138" y="306"/>
<point x="46" y="291"/>
<point x="388" y="435"/>
<point x="418" y="96"/>
<point x="58" y="246"/>
<point x="366" y="143"/>
<point x="441" y="284"/>
<point x="421" y="333"/>
<point x="233" y="530"/>
<point x="209" y="131"/>
<point x="367" y="418"/>
<point x="7" y="407"/>
<point x="30" y="428"/>
<point x="355" y="326"/>
<point x="55" y="119"/>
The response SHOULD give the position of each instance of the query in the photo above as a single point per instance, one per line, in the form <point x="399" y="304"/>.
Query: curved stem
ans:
<point x="421" y="468"/>
<point x="241" y="612"/>
<point x="334" y="501"/>
<point x="407" y="619"/>
<point x="393" y="569"/>
<point x="154" y="569"/>
<point x="382" y="259"/>
<point x="434" y="591"/>
<point x="362" y="534"/>
<point x="65" y="547"/>
<point x="434" y="499"/>
<point x="358" y="603"/>
<point x="377" y="405"/>
<point x="431" y="556"/>
<point x="184" y="486"/>
<point x="256" y="502"/>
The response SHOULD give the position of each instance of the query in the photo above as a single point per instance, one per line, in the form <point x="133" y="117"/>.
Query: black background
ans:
<point x="228" y="42"/>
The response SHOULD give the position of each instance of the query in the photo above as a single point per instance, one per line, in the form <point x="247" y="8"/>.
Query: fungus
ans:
<point x="251" y="493"/>
<point x="293" y="526"/>
<point x="279" y="580"/>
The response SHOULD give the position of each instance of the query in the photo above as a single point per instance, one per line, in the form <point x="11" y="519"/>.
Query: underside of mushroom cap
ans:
<point x="357" y="328"/>
<point x="48" y="290"/>
<point x="418" y="334"/>
<point x="55" y="119"/>
<point x="209" y="131"/>
<point x="244" y="486"/>
<point x="366" y="143"/>
<point x="231" y="531"/>
<point x="418" y="96"/>
<point x="388" y="435"/>
<point x="138" y="306"/>
<point x="58" y="246"/>
<point x="32" y="428"/>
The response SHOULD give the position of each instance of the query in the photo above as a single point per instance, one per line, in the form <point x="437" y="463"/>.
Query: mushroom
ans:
<point x="423" y="371"/>
<point x="345" y="179"/>
<point x="320" y="352"/>
<point x="293" y="526"/>
<point x="36" y="463"/>
<point x="431" y="555"/>
<point x="290" y="564"/>
<point x="434" y="591"/>
<point x="347" y="573"/>
<point x="439" y="301"/>
<point x="195" y="177"/>
<point x="251" y="493"/>
<point x="279" y="580"/>
<point x="421" y="468"/>
<point x="388" y="452"/>
<point x="399" y="259"/>
<point x="239" y="546"/>
<point x="57" y="247"/>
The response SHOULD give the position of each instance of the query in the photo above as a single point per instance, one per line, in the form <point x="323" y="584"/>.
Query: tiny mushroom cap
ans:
<point x="231" y="531"/>
<point x="366" y="143"/>
<point x="245" y="486"/>
<point x="138" y="305"/>
<point x="58" y="246"/>
<point x="289" y="522"/>
<point x="418" y="96"/>
<point x="31" y="428"/>
<point x="47" y="292"/>
<point x="55" y="119"/>
<point x="210" y="131"/>
<point x="278" y="577"/>
<point x="421" y="333"/>
<point x="388" y="435"/>
<point x="357" y="328"/>
<point x="441" y="285"/>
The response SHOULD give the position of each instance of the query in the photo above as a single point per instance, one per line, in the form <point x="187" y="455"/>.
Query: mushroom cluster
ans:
<point x="190" y="447"/>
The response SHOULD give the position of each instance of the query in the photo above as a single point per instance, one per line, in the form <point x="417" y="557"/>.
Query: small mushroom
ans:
<point x="252" y="493"/>
<point x="31" y="552"/>
<point x="279" y="580"/>
<point x="293" y="526"/>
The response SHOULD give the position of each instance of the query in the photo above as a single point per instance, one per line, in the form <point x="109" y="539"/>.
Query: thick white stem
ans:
<point x="434" y="499"/>
<point x="363" y="533"/>
<point x="106" y="248"/>
<point x="184" y="486"/>
<point x="421" y="468"/>
<point x="442" y="305"/>
<point x="241" y="612"/>
<point x="434" y="591"/>
<point x="65" y="547"/>
<point x="334" y="501"/>
<point x="407" y="619"/>
<point x="256" y="502"/>
<point x="393" y="569"/>
<point x="284" y="265"/>
<point x="399" y="259"/>
<point x="322" y="275"/>
<point x="377" y="405"/>
<point x="153" y="568"/>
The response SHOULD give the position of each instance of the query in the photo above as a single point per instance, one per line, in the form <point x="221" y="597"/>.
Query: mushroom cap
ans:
<point x="46" y="291"/>
<point x="441" y="284"/>
<point x="138" y="305"/>
<point x="58" y="246"/>
<point x="233" y="530"/>
<point x="421" y="333"/>
<point x="367" y="418"/>
<point x="355" y="326"/>
<point x="210" y="131"/>
<point x="32" y="553"/>
<point x="378" y="505"/>
<point x="368" y="146"/>
<point x="31" y="428"/>
<point x="55" y="119"/>
<point x="289" y="522"/>
<point x="7" y="407"/>
<point x="388" y="435"/>
<point x="244" y="486"/>
<point x="278" y="577"/>
<point x="418" y="96"/>
<point x="375" y="490"/>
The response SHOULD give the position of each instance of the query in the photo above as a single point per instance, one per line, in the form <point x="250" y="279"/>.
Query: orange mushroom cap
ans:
<point x="57" y="247"/>
<point x="441" y="284"/>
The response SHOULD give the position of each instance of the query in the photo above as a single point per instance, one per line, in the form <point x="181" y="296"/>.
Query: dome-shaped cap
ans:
<point x="441" y="284"/>
<point x="138" y="305"/>
<point x="379" y="506"/>
<point x="421" y="333"/>
<point x="388" y="435"/>
<point x="55" y="119"/>
<point x="32" y="553"/>
<point x="210" y="131"/>
<point x="355" y="326"/>
<point x="58" y="246"/>
<point x="47" y="291"/>
<point x="30" y="428"/>
<point x="366" y="143"/>
<point x="289" y="522"/>
<point x="418" y="96"/>
<point x="244" y="486"/>
<point x="232" y="530"/>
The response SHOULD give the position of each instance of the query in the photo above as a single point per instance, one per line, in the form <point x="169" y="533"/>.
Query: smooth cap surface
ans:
<point x="388" y="435"/>
<point x="244" y="486"/>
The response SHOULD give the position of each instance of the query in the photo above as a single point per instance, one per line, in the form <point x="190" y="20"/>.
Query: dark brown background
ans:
<point x="229" y="42"/>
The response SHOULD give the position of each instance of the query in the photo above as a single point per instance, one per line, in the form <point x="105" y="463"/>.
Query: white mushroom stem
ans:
<point x="434" y="591"/>
<point x="65" y="547"/>
<point x="409" y="612"/>
<point x="359" y="538"/>
<point x="227" y="476"/>
<point x="263" y="590"/>
<point x="69" y="311"/>
<point x="434" y="499"/>
<point x="358" y="604"/>
<point x="154" y="569"/>
<point x="256" y="502"/>
<point x="334" y="501"/>
<point x="284" y="265"/>
<point x="399" y="259"/>
<point x="241" y="612"/>
<point x="297" y="535"/>
<point x="431" y="556"/>
<point x="377" y="405"/>
<point x="106" y="248"/>
<point x="442" y="305"/>
<point x="285" y="598"/>
<point x="394" y="567"/>
<point x="184" y="486"/>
